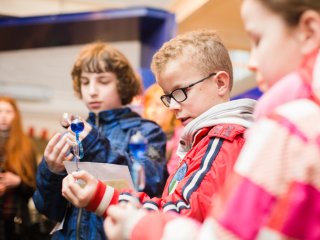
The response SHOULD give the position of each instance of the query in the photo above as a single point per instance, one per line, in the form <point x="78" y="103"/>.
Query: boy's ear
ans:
<point x="223" y="82"/>
<point x="309" y="25"/>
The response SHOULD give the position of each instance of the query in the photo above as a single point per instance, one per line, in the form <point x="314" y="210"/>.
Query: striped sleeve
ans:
<point x="103" y="197"/>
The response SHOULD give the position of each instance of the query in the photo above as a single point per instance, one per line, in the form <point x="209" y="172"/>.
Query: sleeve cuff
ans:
<point x="50" y="176"/>
<point x="103" y="197"/>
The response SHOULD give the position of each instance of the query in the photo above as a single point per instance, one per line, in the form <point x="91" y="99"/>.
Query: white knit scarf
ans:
<point x="232" y="112"/>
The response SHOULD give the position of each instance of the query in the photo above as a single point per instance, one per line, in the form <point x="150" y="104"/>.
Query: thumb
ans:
<point x="82" y="174"/>
<point x="115" y="212"/>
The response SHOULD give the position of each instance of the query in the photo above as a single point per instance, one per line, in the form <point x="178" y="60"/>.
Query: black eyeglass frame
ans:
<point x="167" y="97"/>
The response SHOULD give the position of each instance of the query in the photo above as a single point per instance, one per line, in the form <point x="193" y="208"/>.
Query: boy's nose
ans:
<point x="174" y="104"/>
<point x="92" y="89"/>
<point x="252" y="64"/>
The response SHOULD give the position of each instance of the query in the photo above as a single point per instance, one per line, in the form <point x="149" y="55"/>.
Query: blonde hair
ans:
<point x="20" y="153"/>
<point x="101" y="57"/>
<point x="204" y="48"/>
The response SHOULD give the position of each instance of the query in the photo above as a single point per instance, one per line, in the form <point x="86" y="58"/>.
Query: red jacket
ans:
<point x="198" y="178"/>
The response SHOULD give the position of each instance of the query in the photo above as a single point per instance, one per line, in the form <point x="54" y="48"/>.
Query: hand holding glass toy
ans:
<point x="77" y="127"/>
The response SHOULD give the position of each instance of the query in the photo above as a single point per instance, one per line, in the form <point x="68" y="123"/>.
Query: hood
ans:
<point x="233" y="112"/>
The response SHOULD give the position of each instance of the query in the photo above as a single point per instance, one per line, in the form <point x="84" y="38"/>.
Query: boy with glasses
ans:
<point x="180" y="94"/>
<point x="211" y="140"/>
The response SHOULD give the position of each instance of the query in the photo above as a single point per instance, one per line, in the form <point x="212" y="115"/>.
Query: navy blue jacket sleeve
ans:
<point x="47" y="197"/>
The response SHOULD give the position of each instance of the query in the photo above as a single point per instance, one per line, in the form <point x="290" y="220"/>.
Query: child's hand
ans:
<point x="121" y="220"/>
<point x="79" y="194"/>
<point x="55" y="153"/>
<point x="82" y="135"/>
<point x="8" y="180"/>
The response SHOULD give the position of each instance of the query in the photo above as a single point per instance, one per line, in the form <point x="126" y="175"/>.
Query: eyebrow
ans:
<point x="175" y="88"/>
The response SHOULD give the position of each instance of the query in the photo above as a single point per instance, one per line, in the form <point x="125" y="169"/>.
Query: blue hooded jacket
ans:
<point x="107" y="143"/>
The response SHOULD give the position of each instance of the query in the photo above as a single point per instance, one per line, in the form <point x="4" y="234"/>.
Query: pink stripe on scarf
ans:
<point x="302" y="219"/>
<point x="247" y="209"/>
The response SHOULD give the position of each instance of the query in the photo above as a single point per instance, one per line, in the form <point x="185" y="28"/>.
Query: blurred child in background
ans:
<point x="18" y="164"/>
<point x="156" y="111"/>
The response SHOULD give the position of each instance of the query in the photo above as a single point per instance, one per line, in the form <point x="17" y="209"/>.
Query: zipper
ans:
<point x="78" y="223"/>
<point x="97" y="120"/>
<point x="80" y="209"/>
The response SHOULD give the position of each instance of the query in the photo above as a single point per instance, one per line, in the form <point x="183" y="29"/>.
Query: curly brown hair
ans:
<point x="99" y="57"/>
<point x="204" y="48"/>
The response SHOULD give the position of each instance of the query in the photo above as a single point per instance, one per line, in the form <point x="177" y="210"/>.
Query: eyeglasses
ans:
<point x="180" y="94"/>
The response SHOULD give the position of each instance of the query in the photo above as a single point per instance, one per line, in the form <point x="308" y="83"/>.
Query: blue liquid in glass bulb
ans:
<point x="77" y="126"/>
<point x="137" y="149"/>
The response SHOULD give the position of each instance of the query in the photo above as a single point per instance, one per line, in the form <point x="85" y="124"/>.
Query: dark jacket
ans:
<point x="108" y="143"/>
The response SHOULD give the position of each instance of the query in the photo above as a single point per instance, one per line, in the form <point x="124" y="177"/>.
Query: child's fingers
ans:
<point x="53" y="142"/>
<point x="83" y="175"/>
<point x="116" y="212"/>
